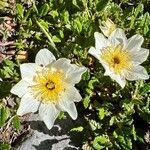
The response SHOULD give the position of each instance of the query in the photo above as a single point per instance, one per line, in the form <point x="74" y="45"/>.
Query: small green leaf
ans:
<point x="134" y="133"/>
<point x="101" y="113"/>
<point x="54" y="13"/>
<point x="5" y="88"/>
<point x="56" y="39"/>
<point x="100" y="142"/>
<point x="4" y="146"/>
<point x="44" y="10"/>
<point x="139" y="9"/>
<point x="145" y="89"/>
<point x="20" y="10"/>
<point x="101" y="5"/>
<point x="78" y="129"/>
<point x="66" y="17"/>
<point x="16" y="123"/>
<point x="111" y="122"/>
<point x="77" y="25"/>
<point x="61" y="33"/>
<point x="4" y="114"/>
<point x="115" y="134"/>
<point x="44" y="24"/>
<point x="86" y="101"/>
<point x="75" y="3"/>
<point x="61" y="115"/>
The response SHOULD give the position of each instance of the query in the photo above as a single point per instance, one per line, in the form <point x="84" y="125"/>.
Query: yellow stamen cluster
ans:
<point x="48" y="85"/>
<point x="116" y="58"/>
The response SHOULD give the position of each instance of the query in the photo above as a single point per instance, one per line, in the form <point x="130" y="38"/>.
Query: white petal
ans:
<point x="118" y="36"/>
<point x="61" y="64"/>
<point x="48" y="114"/>
<point x="73" y="72"/>
<point x="107" y="69"/>
<point x="28" y="104"/>
<point x="106" y="31"/>
<point x="72" y="94"/>
<point x="44" y="57"/>
<point x="137" y="73"/>
<point x="74" y="75"/>
<point x="28" y="70"/>
<point x="134" y="43"/>
<point x="140" y="56"/>
<point x="119" y="79"/>
<point x="100" y="41"/>
<point x="65" y="104"/>
<point x="20" y="88"/>
<point x="95" y="52"/>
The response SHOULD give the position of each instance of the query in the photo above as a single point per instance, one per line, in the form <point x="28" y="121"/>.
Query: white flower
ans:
<point x="108" y="27"/>
<point x="47" y="86"/>
<point x="121" y="57"/>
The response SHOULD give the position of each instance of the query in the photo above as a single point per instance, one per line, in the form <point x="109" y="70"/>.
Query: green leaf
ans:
<point x="44" y="10"/>
<point x="75" y="3"/>
<point x="139" y="9"/>
<point x="20" y="10"/>
<point x="5" y="88"/>
<point x="4" y="146"/>
<point x="77" y="25"/>
<point x="115" y="134"/>
<point x="44" y="24"/>
<point x="101" y="113"/>
<point x="16" y="123"/>
<point x="101" y="5"/>
<point x="61" y="33"/>
<point x="56" y="39"/>
<point x="134" y="133"/>
<point x="145" y="89"/>
<point x="4" y="114"/>
<point x="101" y="142"/>
<point x="112" y="120"/>
<point x="54" y="13"/>
<point x="86" y="101"/>
<point x="78" y="129"/>
<point x="61" y="115"/>
<point x="66" y="17"/>
<point x="92" y="82"/>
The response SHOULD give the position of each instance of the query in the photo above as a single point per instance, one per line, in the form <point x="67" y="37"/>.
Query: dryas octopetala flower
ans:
<point x="47" y="86"/>
<point x="108" y="27"/>
<point x="121" y="57"/>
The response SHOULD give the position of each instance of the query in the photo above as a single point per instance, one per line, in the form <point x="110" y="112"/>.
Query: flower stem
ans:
<point x="48" y="36"/>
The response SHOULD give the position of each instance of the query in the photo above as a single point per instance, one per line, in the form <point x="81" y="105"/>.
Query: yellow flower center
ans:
<point x="116" y="58"/>
<point x="48" y="85"/>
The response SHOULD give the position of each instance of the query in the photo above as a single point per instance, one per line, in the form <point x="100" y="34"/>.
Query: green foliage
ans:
<point x="5" y="146"/>
<point x="114" y="118"/>
<point x="101" y="142"/>
<point x="16" y="122"/>
<point x="78" y="129"/>
<point x="4" y="114"/>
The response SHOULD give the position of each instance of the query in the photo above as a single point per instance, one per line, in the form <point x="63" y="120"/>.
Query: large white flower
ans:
<point x="121" y="57"/>
<point x="47" y="86"/>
